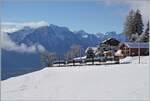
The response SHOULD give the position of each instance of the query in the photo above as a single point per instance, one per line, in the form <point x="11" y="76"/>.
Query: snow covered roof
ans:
<point x="94" y="49"/>
<point x="136" y="45"/>
<point x="111" y="41"/>
<point x="79" y="58"/>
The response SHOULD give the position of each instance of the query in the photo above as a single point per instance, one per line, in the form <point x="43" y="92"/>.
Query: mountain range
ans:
<point x="53" y="38"/>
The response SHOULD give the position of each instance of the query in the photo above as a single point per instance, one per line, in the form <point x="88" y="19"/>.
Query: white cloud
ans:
<point x="9" y="45"/>
<point x="40" y="48"/>
<point x="14" y="26"/>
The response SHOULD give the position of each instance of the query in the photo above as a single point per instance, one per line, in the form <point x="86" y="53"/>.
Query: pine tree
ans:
<point x="133" y="25"/>
<point x="138" y="22"/>
<point x="90" y="53"/>
<point x="146" y="34"/>
<point x="147" y="28"/>
<point x="129" y="28"/>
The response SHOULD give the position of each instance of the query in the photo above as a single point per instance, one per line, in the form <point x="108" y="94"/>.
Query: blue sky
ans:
<point x="93" y="17"/>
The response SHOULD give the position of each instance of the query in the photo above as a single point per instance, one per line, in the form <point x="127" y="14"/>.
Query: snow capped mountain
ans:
<point x="82" y="33"/>
<point x="99" y="35"/>
<point x="52" y="36"/>
<point x="121" y="37"/>
<point x="15" y="26"/>
<point x="21" y="34"/>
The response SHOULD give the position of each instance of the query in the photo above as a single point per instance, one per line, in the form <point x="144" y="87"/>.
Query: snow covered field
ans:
<point x="99" y="82"/>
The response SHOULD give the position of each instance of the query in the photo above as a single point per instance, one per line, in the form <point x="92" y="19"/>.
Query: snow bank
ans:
<point x="126" y="60"/>
<point x="99" y="82"/>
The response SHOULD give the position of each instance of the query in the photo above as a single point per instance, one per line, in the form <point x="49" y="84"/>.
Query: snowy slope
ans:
<point x="104" y="82"/>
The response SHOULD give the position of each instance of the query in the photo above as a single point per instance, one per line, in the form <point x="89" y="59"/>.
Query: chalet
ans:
<point x="110" y="44"/>
<point x="133" y="49"/>
<point x="108" y="47"/>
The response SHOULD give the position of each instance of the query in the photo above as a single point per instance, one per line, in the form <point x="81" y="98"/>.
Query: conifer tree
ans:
<point x="129" y="28"/>
<point x="133" y="26"/>
<point x="138" y="22"/>
<point x="147" y="28"/>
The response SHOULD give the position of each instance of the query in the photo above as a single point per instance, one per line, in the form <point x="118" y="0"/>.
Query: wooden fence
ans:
<point x="90" y="61"/>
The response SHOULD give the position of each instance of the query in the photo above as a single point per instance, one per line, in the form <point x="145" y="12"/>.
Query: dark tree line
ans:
<point x="134" y="27"/>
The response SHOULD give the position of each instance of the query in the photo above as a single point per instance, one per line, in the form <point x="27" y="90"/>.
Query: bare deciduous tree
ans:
<point x="47" y="58"/>
<point x="74" y="51"/>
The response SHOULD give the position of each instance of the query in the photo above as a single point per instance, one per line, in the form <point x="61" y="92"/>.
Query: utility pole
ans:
<point x="80" y="55"/>
<point x="139" y="49"/>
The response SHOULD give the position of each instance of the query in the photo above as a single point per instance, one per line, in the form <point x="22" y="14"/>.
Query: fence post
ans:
<point x="73" y="62"/>
<point x="92" y="60"/>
